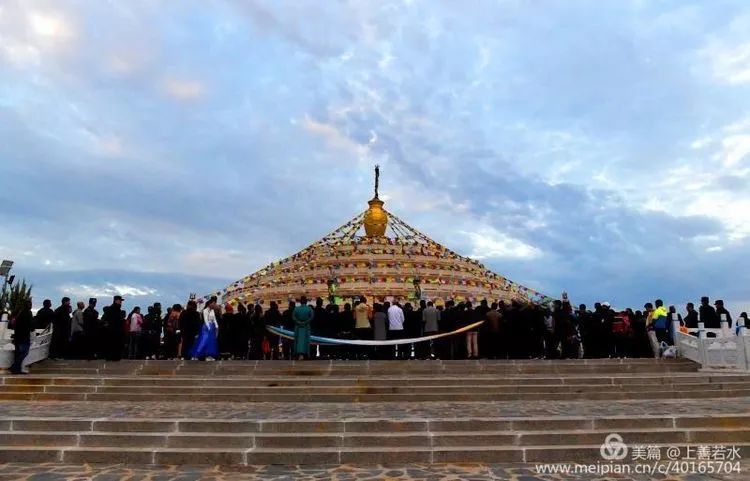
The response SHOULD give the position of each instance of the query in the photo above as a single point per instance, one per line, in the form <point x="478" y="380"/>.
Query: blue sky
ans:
<point x="153" y="148"/>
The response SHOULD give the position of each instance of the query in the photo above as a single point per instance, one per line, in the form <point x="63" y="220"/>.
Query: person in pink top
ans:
<point x="135" y="326"/>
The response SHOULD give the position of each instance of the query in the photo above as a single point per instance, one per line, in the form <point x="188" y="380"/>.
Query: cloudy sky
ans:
<point x="154" y="148"/>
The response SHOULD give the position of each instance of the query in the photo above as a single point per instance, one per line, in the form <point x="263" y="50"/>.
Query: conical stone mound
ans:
<point x="377" y="255"/>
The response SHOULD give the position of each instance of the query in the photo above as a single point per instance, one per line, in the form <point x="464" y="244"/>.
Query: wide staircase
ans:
<point x="238" y="413"/>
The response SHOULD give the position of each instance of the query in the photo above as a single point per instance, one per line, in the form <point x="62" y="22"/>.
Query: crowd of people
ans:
<point x="501" y="330"/>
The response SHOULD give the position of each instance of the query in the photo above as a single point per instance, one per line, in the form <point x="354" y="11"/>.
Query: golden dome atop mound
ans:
<point x="390" y="259"/>
<point x="376" y="218"/>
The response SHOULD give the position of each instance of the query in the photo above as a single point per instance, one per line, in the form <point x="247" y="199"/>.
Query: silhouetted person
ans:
<point x="515" y="330"/>
<point x="565" y="330"/>
<point x="226" y="329"/>
<point x="155" y="331"/>
<point x="150" y="320"/>
<point x="444" y="346"/>
<point x="171" y="332"/>
<point x="691" y="318"/>
<point x="536" y="320"/>
<point x="345" y="330"/>
<point x="472" y="336"/>
<point x="60" y="343"/>
<point x="742" y="321"/>
<point x="112" y="320"/>
<point x="258" y="332"/>
<point x="331" y="330"/>
<point x="586" y="325"/>
<point x="412" y="326"/>
<point x="287" y="345"/>
<point x="722" y="311"/>
<point x="23" y="324"/>
<point x="243" y="332"/>
<point x="92" y="332"/>
<point x="272" y="317"/>
<point x="44" y="316"/>
<point x="708" y="315"/>
<point x="640" y="346"/>
<point x="190" y="326"/>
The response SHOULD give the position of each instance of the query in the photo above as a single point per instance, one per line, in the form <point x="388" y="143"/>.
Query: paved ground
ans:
<point x="339" y="411"/>
<point x="415" y="472"/>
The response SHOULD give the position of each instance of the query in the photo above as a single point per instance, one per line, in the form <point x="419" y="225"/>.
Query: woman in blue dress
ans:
<point x="207" y="344"/>
<point x="302" y="316"/>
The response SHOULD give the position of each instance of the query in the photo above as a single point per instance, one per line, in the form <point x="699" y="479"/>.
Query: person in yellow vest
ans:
<point x="362" y="326"/>
<point x="656" y="325"/>
<point x="660" y="318"/>
<point x="648" y="310"/>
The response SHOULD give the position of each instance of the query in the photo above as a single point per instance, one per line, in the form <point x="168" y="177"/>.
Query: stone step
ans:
<point x="299" y="371"/>
<point x="141" y="381"/>
<point x="326" y="368"/>
<point x="365" y="388"/>
<point x="376" y="361"/>
<point x="406" y="440"/>
<point x="359" y="426"/>
<point x="312" y="396"/>
<point x="317" y="456"/>
<point x="371" y="364"/>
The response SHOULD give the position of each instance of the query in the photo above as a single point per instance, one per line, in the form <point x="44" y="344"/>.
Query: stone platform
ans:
<point x="412" y="472"/>
<point x="421" y="417"/>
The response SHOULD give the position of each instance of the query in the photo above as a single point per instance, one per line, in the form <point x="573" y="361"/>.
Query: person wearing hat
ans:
<point x="114" y="330"/>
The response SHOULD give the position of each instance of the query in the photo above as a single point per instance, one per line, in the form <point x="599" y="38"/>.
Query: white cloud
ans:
<point x="700" y="143"/>
<point x="20" y="54"/>
<point x="49" y="25"/>
<point x="107" y="289"/>
<point x="736" y="149"/>
<point x="29" y="37"/>
<point x="728" y="52"/>
<point x="488" y="243"/>
<point x="334" y="138"/>
<point x="732" y="65"/>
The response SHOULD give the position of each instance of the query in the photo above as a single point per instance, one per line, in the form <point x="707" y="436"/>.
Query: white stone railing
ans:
<point x="39" y="350"/>
<point x="721" y="347"/>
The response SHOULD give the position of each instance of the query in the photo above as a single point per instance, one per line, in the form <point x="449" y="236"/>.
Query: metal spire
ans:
<point x="377" y="179"/>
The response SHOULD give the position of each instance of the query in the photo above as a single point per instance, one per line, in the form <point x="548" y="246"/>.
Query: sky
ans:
<point x="158" y="148"/>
